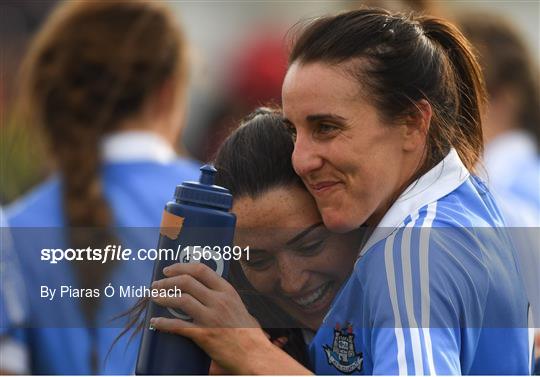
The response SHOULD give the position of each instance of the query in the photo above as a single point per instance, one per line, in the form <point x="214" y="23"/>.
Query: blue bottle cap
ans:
<point x="204" y="192"/>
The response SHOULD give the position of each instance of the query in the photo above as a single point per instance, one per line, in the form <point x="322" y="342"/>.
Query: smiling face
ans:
<point x="353" y="163"/>
<point x="294" y="260"/>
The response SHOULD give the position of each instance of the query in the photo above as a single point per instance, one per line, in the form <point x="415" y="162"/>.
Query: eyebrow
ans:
<point x="303" y="233"/>
<point x="318" y="117"/>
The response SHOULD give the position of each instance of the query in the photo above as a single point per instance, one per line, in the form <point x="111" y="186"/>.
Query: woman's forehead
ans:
<point x="315" y="87"/>
<point x="285" y="207"/>
<point x="277" y="238"/>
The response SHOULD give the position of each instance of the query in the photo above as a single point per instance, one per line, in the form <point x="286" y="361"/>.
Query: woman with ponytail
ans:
<point x="386" y="112"/>
<point x="105" y="81"/>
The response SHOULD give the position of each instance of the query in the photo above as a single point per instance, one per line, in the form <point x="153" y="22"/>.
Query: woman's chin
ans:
<point x="337" y="223"/>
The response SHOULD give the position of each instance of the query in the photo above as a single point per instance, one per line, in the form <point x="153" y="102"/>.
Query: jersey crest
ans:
<point x="342" y="354"/>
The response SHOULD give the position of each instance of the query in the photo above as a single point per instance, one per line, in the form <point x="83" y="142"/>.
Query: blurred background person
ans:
<point x="106" y="82"/>
<point x="512" y="119"/>
<point x="511" y="128"/>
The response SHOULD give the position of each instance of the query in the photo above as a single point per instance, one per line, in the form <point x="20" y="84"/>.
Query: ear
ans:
<point x="416" y="126"/>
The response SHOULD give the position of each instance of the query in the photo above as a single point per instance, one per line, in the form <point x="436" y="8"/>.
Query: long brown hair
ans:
<point x="91" y="67"/>
<point x="409" y="59"/>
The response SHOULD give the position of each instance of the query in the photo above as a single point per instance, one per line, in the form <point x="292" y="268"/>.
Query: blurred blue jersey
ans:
<point x="139" y="176"/>
<point x="436" y="289"/>
<point x="12" y="307"/>
<point x="512" y="164"/>
<point x="13" y="304"/>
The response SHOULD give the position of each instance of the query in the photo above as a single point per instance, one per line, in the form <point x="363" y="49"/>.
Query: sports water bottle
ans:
<point x="197" y="219"/>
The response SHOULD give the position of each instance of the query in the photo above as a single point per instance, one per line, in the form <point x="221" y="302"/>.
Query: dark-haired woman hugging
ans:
<point x="295" y="267"/>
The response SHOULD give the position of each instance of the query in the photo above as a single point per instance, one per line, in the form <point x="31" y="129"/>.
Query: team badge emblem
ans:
<point x="342" y="355"/>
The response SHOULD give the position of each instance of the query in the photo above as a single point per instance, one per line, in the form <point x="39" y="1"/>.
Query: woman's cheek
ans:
<point x="262" y="281"/>
<point x="342" y="256"/>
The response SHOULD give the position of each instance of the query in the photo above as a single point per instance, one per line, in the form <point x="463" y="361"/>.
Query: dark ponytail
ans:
<point x="468" y="139"/>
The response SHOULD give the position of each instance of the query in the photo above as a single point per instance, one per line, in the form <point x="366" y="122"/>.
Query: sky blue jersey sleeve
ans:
<point x="405" y="302"/>
<point x="442" y="305"/>
<point x="415" y="308"/>
<point x="431" y="297"/>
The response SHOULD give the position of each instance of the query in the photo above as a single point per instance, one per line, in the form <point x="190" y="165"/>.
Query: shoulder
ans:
<point x="41" y="207"/>
<point x="179" y="169"/>
<point x="431" y="252"/>
<point x="432" y="231"/>
<point x="470" y="205"/>
<point x="149" y="174"/>
<point x="185" y="166"/>
<point x="137" y="191"/>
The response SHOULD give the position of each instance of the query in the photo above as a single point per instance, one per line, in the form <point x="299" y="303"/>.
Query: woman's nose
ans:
<point x="293" y="275"/>
<point x="305" y="157"/>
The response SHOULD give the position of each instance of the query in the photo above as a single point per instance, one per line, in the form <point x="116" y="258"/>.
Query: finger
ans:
<point x="199" y="271"/>
<point x="186" y="303"/>
<point x="187" y="284"/>
<point x="174" y="326"/>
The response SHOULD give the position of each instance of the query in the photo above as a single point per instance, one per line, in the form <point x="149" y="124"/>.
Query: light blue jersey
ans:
<point x="512" y="167"/>
<point x="436" y="289"/>
<point x="13" y="305"/>
<point x="139" y="177"/>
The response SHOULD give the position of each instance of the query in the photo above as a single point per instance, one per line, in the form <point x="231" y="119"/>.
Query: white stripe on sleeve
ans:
<point x="409" y="300"/>
<point x="424" y="283"/>
<point x="391" y="280"/>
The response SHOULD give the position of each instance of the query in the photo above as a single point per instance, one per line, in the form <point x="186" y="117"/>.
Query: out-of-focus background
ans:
<point x="237" y="63"/>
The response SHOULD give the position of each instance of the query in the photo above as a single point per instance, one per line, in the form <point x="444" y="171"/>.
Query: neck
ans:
<point x="156" y="126"/>
<point x="413" y="168"/>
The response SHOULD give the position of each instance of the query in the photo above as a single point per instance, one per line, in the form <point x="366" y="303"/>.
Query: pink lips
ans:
<point x="323" y="187"/>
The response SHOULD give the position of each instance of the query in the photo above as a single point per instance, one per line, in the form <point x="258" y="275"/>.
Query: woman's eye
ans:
<point x="257" y="263"/>
<point x="325" y="129"/>
<point x="310" y="248"/>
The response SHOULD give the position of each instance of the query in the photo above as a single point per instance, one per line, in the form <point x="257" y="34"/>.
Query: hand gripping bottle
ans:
<point x="197" y="219"/>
